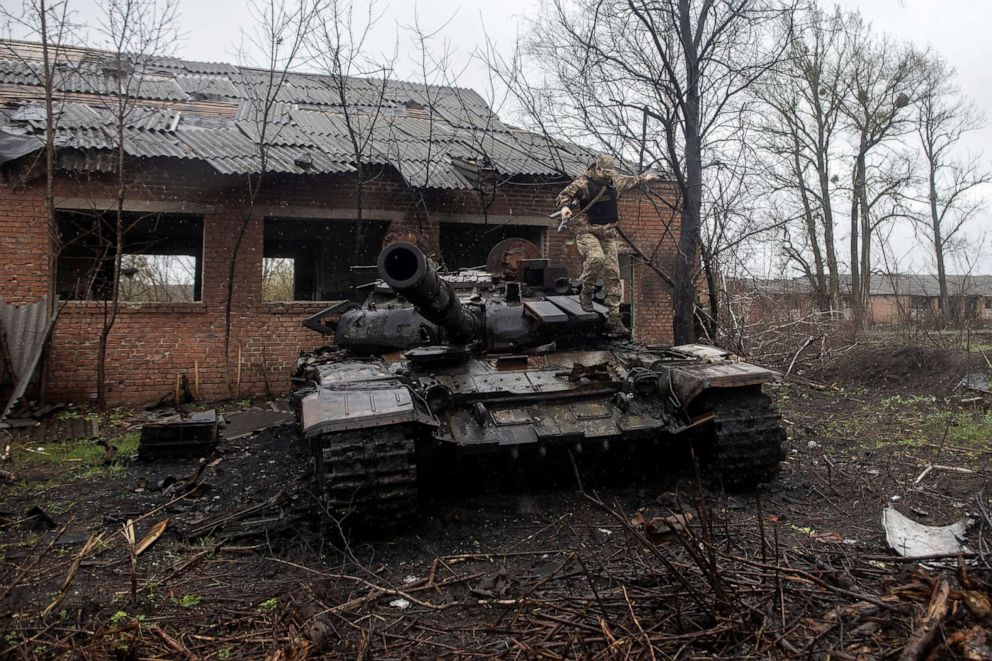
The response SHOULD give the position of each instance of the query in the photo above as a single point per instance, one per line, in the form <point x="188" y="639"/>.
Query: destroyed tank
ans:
<point x="505" y="362"/>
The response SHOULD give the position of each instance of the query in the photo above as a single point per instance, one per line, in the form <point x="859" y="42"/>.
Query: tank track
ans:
<point x="748" y="441"/>
<point x="367" y="479"/>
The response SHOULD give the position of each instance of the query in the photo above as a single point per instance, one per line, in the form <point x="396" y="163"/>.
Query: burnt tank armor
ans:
<point x="478" y="362"/>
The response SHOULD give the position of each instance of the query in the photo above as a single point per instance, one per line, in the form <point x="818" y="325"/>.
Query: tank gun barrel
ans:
<point x="405" y="268"/>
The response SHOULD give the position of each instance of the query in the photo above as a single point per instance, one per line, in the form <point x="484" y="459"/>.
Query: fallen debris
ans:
<point x="915" y="540"/>
<point x="260" y="520"/>
<point x="977" y="382"/>
<point x="195" y="436"/>
<point x="245" y="423"/>
<point x="151" y="537"/>
<point x="661" y="528"/>
<point x="972" y="644"/>
<point x="921" y="641"/>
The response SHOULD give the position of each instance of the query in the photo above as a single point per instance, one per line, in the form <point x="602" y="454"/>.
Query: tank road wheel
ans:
<point x="747" y="443"/>
<point x="367" y="479"/>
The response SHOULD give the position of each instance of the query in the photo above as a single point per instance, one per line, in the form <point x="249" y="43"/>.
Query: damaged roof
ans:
<point x="434" y="136"/>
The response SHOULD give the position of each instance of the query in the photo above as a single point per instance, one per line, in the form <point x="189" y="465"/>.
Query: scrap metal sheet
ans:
<point x="26" y="329"/>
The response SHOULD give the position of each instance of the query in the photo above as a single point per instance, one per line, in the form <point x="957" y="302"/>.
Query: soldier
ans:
<point x="596" y="194"/>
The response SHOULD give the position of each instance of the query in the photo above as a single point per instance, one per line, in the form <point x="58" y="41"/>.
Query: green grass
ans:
<point x="79" y="458"/>
<point x="914" y="421"/>
<point x="189" y="600"/>
<point x="962" y="428"/>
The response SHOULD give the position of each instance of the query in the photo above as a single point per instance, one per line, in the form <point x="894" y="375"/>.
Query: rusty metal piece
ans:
<point x="596" y="372"/>
<point x="506" y="256"/>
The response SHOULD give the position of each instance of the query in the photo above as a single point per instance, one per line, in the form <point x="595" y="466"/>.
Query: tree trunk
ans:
<point x="828" y="232"/>
<point x="713" y="320"/>
<point x="857" y="310"/>
<point x="249" y="213"/>
<point x="110" y="317"/>
<point x="866" y="235"/>
<point x="52" y="227"/>
<point x="684" y="295"/>
<point x="53" y="235"/>
<point x="359" y="219"/>
<point x="938" y="247"/>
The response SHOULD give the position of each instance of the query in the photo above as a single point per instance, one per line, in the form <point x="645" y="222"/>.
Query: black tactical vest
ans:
<point x="604" y="211"/>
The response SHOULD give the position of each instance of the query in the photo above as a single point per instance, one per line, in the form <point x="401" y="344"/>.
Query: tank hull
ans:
<point x="434" y="367"/>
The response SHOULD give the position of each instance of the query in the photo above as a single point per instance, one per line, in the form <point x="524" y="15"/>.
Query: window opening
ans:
<point x="311" y="260"/>
<point x="161" y="260"/>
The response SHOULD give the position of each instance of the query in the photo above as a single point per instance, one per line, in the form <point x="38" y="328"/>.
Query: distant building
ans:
<point x="442" y="165"/>
<point x="893" y="298"/>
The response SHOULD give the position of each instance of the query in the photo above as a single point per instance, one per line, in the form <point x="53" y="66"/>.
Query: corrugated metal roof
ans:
<point x="19" y="73"/>
<point x="425" y="132"/>
<point x="924" y="284"/>
<point x="210" y="144"/>
<point x="150" y="144"/>
<point x="207" y="85"/>
<point x="151" y="119"/>
<point x="83" y="138"/>
<point x="283" y="159"/>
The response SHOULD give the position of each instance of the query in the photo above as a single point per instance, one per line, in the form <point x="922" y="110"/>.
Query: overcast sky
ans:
<point x="958" y="29"/>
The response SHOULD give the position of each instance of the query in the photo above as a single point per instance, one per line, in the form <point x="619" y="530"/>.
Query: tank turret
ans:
<point x="406" y="270"/>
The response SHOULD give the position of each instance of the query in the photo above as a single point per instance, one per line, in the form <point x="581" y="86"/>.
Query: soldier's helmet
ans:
<point x="603" y="166"/>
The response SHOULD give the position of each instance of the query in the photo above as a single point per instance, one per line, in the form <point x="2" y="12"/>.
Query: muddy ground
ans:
<point x="523" y="564"/>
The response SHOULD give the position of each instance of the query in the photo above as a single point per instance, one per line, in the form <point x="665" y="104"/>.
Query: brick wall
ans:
<point x="24" y="249"/>
<point x="151" y="343"/>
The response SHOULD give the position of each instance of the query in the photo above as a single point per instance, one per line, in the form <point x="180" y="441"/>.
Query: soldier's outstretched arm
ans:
<point x="624" y="183"/>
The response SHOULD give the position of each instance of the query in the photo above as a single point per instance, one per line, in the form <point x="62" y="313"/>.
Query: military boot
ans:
<point x="614" y="326"/>
<point x="585" y="300"/>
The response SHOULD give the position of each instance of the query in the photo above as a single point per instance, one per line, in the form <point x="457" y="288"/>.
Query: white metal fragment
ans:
<point x="913" y="540"/>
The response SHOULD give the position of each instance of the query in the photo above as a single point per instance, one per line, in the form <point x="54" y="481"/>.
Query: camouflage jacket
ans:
<point x="580" y="188"/>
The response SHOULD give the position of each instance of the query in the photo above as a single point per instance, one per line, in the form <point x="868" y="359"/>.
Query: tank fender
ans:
<point x="342" y="410"/>
<point x="687" y="382"/>
<point x="360" y="394"/>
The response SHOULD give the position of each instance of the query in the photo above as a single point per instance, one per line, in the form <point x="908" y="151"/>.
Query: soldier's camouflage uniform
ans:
<point x="597" y="243"/>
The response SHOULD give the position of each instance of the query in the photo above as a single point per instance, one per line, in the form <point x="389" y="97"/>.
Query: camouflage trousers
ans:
<point x="598" y="246"/>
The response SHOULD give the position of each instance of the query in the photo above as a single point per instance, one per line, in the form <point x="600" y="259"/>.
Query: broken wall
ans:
<point x="152" y="343"/>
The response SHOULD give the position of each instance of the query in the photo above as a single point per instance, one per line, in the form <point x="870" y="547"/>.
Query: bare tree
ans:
<point x="884" y="80"/>
<point x="51" y="24"/>
<point x="943" y="117"/>
<point x="800" y="128"/>
<point x="417" y="159"/>
<point x="135" y="32"/>
<point x="661" y="79"/>
<point x="462" y="121"/>
<point x="359" y="81"/>
<point x="274" y="46"/>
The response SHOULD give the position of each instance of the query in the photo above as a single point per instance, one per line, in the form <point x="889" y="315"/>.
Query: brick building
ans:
<point x="438" y="162"/>
<point x="907" y="299"/>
